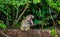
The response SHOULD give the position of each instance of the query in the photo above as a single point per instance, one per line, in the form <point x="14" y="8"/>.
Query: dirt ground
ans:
<point x="30" y="33"/>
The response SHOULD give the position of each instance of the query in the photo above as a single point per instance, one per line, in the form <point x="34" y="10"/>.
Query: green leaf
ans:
<point x="54" y="4"/>
<point x="36" y="1"/>
<point x="53" y="32"/>
<point x="56" y="35"/>
<point x="58" y="22"/>
<point x="3" y="26"/>
<point x="36" y="22"/>
<point x="1" y="21"/>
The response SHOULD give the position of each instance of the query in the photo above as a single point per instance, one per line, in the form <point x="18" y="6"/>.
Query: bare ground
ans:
<point x="30" y="33"/>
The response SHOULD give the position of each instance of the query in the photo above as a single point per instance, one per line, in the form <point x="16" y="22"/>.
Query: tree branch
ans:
<point x="4" y="34"/>
<point x="21" y="14"/>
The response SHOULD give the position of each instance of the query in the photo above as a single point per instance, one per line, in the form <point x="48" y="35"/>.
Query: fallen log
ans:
<point x="30" y="33"/>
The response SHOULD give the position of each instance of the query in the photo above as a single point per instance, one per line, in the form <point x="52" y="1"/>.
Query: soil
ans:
<point x="30" y="33"/>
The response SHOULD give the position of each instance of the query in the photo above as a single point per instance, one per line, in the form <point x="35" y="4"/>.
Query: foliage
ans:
<point x="54" y="4"/>
<point x="16" y="10"/>
<point x="54" y="33"/>
<point x="58" y="22"/>
<point x="36" y="1"/>
<point x="2" y="25"/>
